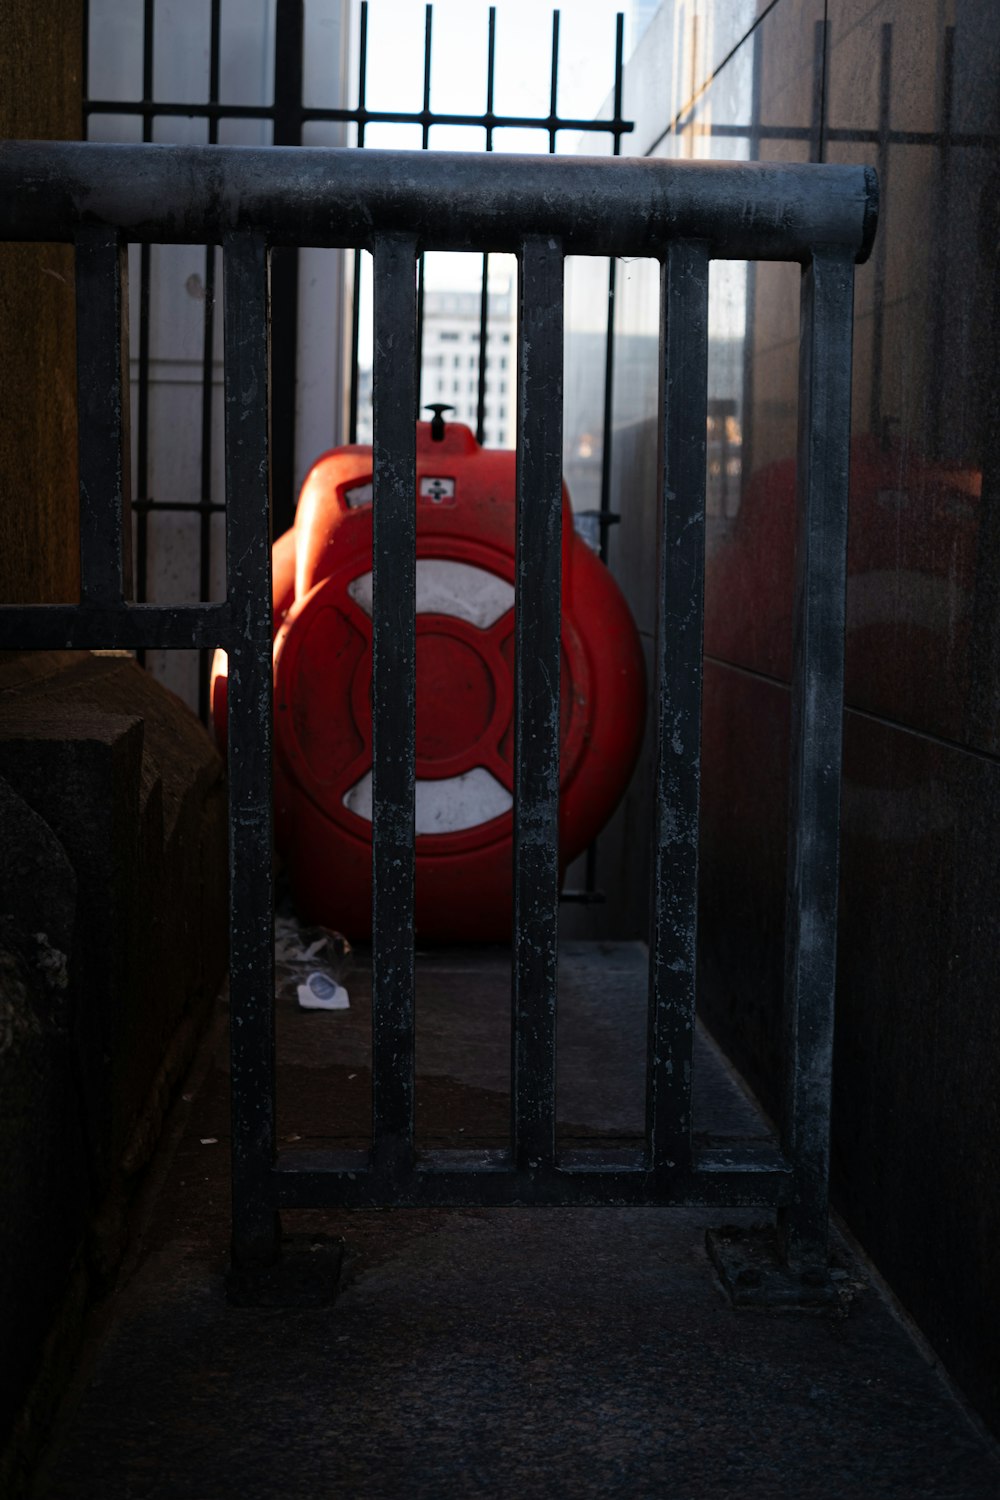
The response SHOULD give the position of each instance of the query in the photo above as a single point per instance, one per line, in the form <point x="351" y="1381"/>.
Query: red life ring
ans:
<point x="465" y="657"/>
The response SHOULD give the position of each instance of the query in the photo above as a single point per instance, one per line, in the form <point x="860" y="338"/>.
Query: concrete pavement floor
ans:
<point x="500" y="1352"/>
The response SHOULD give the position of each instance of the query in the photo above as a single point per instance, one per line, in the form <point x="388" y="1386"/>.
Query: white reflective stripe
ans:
<point x="445" y="806"/>
<point x="449" y="588"/>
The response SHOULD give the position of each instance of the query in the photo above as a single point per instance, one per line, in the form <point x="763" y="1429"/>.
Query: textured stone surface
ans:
<point x="514" y="1352"/>
<point x="43" y="1167"/>
<point x="129" y="781"/>
<point x="112" y="942"/>
<point x="43" y="1170"/>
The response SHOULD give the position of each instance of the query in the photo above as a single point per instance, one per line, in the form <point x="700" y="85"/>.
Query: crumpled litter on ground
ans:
<point x="309" y="963"/>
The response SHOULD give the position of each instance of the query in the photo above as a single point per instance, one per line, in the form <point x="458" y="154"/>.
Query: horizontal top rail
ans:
<point x="327" y="196"/>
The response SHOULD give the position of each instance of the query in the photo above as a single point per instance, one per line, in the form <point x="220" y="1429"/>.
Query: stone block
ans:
<point x="43" y="1163"/>
<point x="112" y="946"/>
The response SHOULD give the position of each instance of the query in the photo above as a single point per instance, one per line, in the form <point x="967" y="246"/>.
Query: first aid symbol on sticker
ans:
<point x="437" y="489"/>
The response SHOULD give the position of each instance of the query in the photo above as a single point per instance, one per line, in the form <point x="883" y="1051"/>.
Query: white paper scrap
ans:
<point x="320" y="992"/>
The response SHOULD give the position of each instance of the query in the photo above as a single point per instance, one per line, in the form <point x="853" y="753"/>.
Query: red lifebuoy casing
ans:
<point x="322" y="585"/>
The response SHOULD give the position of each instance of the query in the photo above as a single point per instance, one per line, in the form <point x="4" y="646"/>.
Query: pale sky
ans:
<point x="522" y="77"/>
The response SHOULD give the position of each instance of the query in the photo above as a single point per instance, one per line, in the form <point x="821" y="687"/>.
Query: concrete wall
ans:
<point x="911" y="89"/>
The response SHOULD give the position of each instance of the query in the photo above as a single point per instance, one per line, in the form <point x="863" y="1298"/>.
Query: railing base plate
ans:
<point x="754" y="1276"/>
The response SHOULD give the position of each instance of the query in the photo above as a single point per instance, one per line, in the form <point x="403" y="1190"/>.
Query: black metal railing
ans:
<point x="541" y="209"/>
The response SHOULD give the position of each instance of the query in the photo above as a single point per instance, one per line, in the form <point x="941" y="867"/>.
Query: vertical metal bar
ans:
<point x="288" y="41"/>
<point x="815" y="747"/>
<point x="491" y="68"/>
<point x="817" y="121"/>
<point x="105" y="452"/>
<point x="609" y="395"/>
<point x="420" y="330"/>
<point x="484" y="299"/>
<point x="207" y="367"/>
<point x="883" y="163"/>
<point x="590" y="866"/>
<point x="393" y="702"/>
<point x="673" y="918"/>
<point x="207" y="376"/>
<point x="609" y="346"/>
<point x="554" y="84"/>
<point x="251" y="894"/>
<point x="142" y="434"/>
<point x="425" y="115"/>
<point x="538" y="576"/>
<point x="617" y="122"/>
<point x="425" y="140"/>
<point x="747" y="408"/>
<point x="352" y="421"/>
<point x="148" y="22"/>
<point x="940" y="311"/>
<point x="352" y="418"/>
<point x="607" y="435"/>
<point x="145" y="276"/>
<point x="85" y="73"/>
<point x="289" y="33"/>
<point x="484" y="333"/>
<point x="362" y="73"/>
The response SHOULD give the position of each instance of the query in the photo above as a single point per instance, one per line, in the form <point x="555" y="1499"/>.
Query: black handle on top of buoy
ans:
<point x="437" y="421"/>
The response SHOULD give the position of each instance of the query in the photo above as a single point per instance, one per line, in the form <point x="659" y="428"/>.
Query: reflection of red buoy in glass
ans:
<point x="322" y="584"/>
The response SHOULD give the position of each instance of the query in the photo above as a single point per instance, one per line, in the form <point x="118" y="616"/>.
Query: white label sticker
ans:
<point x="437" y="489"/>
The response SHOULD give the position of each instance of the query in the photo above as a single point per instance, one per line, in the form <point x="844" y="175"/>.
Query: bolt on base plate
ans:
<point x="754" y="1275"/>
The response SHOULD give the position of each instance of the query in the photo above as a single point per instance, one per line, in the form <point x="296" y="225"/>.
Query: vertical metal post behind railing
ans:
<point x="103" y="407"/>
<point x="248" y="590"/>
<point x="681" y="572"/>
<point x="537" y="616"/>
<point x="815" y="746"/>
<point x="289" y="36"/>
<point x="393" y="703"/>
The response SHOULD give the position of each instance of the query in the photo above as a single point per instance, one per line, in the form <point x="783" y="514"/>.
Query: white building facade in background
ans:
<point x="449" y="370"/>
<point x="450" y="367"/>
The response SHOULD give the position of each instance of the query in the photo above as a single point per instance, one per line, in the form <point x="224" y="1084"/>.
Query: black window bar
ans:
<point x="289" y="115"/>
<point x="541" y="209"/>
